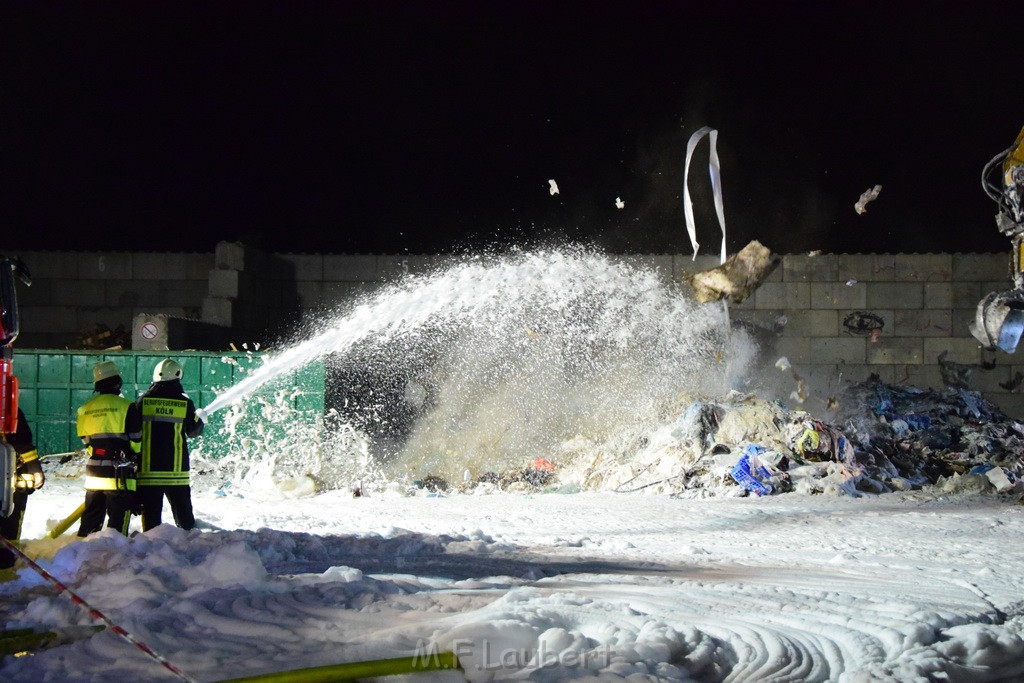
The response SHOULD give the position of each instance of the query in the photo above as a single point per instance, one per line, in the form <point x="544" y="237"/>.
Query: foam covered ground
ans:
<point x="904" y="586"/>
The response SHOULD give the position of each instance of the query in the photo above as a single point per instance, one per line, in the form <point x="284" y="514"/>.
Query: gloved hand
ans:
<point x="30" y="481"/>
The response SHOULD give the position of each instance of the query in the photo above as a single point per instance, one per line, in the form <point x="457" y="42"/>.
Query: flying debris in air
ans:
<point x="800" y="393"/>
<point x="1014" y="383"/>
<point x="868" y="196"/>
<point x="619" y="204"/>
<point x="554" y="186"/>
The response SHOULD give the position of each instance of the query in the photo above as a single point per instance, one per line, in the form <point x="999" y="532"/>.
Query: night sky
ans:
<point x="419" y="127"/>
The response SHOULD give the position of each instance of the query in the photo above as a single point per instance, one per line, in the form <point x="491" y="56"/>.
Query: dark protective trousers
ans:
<point x="115" y="505"/>
<point x="152" y="499"/>
<point x="10" y="528"/>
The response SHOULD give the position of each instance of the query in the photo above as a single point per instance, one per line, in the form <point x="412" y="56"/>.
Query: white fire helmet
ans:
<point x="166" y="370"/>
<point x="104" y="370"/>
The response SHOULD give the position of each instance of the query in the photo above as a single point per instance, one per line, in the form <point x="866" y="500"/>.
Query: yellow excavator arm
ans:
<point x="999" y="320"/>
<point x="1015" y="158"/>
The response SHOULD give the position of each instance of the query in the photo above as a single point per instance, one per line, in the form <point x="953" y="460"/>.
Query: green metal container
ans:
<point x="54" y="383"/>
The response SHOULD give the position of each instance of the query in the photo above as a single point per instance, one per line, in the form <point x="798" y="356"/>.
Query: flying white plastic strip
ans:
<point x="714" y="168"/>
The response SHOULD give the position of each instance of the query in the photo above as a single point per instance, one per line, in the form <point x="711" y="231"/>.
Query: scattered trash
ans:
<point x="878" y="439"/>
<point x="862" y="322"/>
<point x="715" y="171"/>
<point x="1014" y="382"/>
<point x="698" y="425"/>
<point x="954" y="374"/>
<point x="619" y="204"/>
<point x="997" y="475"/>
<point x="868" y="196"/>
<point x="851" y="282"/>
<point x="751" y="474"/>
<point x="539" y="474"/>
<point x="542" y="465"/>
<point x="432" y="484"/>
<point x="101" y="337"/>
<point x="800" y="393"/>
<point x="737" y="278"/>
<point x="553" y="187"/>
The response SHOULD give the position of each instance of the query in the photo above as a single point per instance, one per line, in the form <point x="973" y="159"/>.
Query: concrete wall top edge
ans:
<point x="659" y="253"/>
<point x="16" y="252"/>
<point x="408" y="254"/>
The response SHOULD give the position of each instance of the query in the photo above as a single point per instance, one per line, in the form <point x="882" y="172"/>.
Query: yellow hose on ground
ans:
<point x="434" y="661"/>
<point x="66" y="524"/>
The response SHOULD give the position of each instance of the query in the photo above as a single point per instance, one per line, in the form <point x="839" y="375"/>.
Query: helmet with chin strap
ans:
<point x="167" y="370"/>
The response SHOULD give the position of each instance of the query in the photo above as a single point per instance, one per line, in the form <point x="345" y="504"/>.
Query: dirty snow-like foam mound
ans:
<point x="888" y="439"/>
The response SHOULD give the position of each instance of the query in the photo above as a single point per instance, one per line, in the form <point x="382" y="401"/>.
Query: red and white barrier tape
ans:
<point x="96" y="614"/>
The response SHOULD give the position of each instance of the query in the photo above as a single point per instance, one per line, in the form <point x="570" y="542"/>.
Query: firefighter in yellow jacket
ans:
<point x="168" y="420"/>
<point x="111" y="427"/>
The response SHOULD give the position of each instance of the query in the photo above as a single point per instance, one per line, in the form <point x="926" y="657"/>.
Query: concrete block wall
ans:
<point x="253" y="294"/>
<point x="925" y="303"/>
<point x="74" y="292"/>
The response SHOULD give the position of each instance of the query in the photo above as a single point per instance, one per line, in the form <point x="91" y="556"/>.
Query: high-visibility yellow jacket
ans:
<point x="111" y="427"/>
<point x="168" y="419"/>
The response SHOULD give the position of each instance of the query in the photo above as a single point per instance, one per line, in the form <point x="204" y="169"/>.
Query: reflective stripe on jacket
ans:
<point x="168" y="419"/>
<point x="28" y="456"/>
<point x="111" y="428"/>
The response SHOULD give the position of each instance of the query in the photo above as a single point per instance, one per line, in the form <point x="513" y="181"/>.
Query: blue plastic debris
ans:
<point x="751" y="480"/>
<point x="918" y="421"/>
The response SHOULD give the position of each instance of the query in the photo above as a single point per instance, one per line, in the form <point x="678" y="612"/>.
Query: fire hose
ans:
<point x="96" y="614"/>
<point x="335" y="672"/>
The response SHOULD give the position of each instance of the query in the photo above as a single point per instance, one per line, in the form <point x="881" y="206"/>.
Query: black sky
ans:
<point x="434" y="126"/>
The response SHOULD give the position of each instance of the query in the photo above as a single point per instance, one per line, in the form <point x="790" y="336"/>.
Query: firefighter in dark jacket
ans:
<point x="29" y="478"/>
<point x="168" y="420"/>
<point x="111" y="427"/>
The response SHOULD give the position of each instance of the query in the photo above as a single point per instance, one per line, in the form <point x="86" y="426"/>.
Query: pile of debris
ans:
<point x="537" y="475"/>
<point x="101" y="337"/>
<point x="896" y="439"/>
<point x="935" y="437"/>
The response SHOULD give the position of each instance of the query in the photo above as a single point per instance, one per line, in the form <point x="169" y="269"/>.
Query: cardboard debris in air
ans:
<point x="737" y="278"/>
<point x="869" y="195"/>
